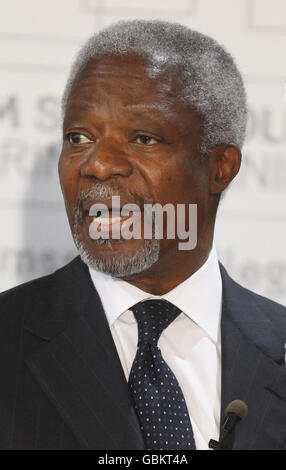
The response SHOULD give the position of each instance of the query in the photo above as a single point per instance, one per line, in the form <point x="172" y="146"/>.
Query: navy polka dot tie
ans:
<point x="158" y="398"/>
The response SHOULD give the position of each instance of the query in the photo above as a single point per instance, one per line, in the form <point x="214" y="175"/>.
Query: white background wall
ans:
<point x="38" y="40"/>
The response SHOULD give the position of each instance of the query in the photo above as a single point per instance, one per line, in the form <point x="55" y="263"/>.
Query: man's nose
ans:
<point x="105" y="161"/>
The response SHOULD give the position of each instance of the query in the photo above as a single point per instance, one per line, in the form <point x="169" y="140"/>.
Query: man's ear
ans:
<point x="224" y="164"/>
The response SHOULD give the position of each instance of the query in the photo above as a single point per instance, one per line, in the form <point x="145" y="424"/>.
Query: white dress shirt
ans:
<point x="190" y="345"/>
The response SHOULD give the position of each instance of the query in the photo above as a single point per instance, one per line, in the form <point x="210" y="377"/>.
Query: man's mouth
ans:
<point x="110" y="218"/>
<point x="113" y="222"/>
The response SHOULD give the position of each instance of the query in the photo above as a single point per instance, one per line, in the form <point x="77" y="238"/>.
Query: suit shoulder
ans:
<point x="273" y="311"/>
<point x="266" y="304"/>
<point x="15" y="302"/>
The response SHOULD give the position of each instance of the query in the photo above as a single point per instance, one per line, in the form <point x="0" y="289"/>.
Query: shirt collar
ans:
<point x="199" y="296"/>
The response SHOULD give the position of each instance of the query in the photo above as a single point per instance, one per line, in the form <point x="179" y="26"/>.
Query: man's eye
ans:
<point x="77" y="138"/>
<point x="145" y="140"/>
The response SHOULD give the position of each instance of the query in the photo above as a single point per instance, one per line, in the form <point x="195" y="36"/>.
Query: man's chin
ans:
<point x="112" y="257"/>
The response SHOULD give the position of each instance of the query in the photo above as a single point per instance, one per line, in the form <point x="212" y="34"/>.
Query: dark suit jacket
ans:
<point x="63" y="387"/>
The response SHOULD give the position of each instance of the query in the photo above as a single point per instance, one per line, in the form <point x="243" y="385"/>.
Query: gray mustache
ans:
<point x="98" y="191"/>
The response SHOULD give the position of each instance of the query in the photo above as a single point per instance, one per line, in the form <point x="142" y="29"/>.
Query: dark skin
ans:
<point x="127" y="130"/>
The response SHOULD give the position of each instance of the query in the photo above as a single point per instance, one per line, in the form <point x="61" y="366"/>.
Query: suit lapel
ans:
<point x="79" y="368"/>
<point x="251" y="370"/>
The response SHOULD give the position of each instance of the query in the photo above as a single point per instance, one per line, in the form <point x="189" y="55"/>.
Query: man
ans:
<point x="154" y="113"/>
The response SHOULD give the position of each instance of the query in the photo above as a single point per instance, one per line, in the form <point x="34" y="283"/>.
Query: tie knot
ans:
<point x="153" y="316"/>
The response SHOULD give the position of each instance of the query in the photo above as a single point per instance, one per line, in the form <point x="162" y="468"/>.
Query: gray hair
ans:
<point x="211" y="82"/>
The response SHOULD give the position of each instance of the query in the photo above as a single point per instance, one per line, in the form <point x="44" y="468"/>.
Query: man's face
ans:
<point x="126" y="134"/>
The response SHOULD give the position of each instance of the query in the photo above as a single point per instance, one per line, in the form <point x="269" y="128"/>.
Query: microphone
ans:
<point x="236" y="411"/>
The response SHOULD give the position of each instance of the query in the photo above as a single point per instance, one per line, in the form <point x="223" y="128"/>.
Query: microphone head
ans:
<point x="237" y="407"/>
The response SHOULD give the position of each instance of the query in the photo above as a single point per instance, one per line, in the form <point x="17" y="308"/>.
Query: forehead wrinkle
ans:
<point x="159" y="112"/>
<point x="103" y="74"/>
